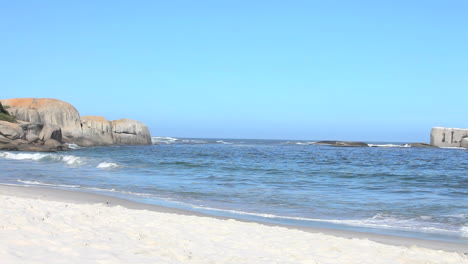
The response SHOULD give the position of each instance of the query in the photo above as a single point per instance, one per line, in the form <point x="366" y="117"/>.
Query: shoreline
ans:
<point x="79" y="197"/>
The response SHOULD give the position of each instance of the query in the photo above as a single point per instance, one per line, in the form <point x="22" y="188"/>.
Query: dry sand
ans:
<point x="39" y="225"/>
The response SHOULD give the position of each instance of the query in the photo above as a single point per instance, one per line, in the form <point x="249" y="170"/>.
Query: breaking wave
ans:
<point x="67" y="159"/>
<point x="390" y="145"/>
<point x="108" y="165"/>
<point x="171" y="141"/>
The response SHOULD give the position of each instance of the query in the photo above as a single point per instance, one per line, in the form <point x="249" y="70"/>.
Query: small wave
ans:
<point x="378" y="221"/>
<point x="68" y="159"/>
<point x="390" y="145"/>
<point x="223" y="142"/>
<point x="185" y="141"/>
<point x="108" y="165"/>
<point x="163" y="140"/>
<point x="300" y="143"/>
<point x="460" y="148"/>
<point x="47" y="184"/>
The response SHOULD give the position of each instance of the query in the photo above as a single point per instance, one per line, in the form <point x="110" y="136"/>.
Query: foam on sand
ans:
<point x="60" y="231"/>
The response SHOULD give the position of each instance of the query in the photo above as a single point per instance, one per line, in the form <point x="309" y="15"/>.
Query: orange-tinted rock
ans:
<point x="47" y="111"/>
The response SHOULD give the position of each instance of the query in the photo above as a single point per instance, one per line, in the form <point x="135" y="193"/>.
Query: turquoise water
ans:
<point x="390" y="188"/>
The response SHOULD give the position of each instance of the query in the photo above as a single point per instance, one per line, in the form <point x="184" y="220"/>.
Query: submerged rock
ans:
<point x="420" y="145"/>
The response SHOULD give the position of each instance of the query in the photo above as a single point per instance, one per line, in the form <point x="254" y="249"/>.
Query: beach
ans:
<point x="58" y="226"/>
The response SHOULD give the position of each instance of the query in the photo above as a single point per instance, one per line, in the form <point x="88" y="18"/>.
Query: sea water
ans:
<point x="387" y="188"/>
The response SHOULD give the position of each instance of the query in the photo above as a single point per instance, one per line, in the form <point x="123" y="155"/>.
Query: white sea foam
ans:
<point x="68" y="159"/>
<point x="378" y="221"/>
<point x="301" y="143"/>
<point x="460" y="148"/>
<point x="108" y="165"/>
<point x="390" y="145"/>
<point x="73" y="146"/>
<point x="163" y="140"/>
<point x="48" y="184"/>
<point x="223" y="142"/>
<point x="464" y="231"/>
<point x="171" y="140"/>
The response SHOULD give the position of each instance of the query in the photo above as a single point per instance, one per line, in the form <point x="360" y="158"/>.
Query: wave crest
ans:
<point x="108" y="165"/>
<point x="67" y="159"/>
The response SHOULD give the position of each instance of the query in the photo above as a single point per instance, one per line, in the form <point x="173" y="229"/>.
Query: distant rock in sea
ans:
<point x="44" y="124"/>
<point x="449" y="137"/>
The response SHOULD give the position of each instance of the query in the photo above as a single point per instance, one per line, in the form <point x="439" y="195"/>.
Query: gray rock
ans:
<point x="8" y="146"/>
<point x="53" y="145"/>
<point x="130" y="132"/>
<point x="32" y="138"/>
<point x="4" y="140"/>
<point x="448" y="137"/>
<point x="50" y="131"/>
<point x="464" y="142"/>
<point x="20" y="142"/>
<point x="10" y="130"/>
<point x="97" y="131"/>
<point x="35" y="148"/>
<point x="32" y="128"/>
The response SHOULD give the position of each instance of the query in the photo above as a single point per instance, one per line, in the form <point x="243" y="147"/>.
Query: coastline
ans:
<point x="347" y="238"/>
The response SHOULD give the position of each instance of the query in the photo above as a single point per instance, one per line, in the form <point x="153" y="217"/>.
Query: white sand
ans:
<point x="44" y="231"/>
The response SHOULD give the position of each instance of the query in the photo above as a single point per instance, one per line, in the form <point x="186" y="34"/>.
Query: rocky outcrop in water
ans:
<point x="44" y="124"/>
<point x="449" y="137"/>
<point x="130" y="132"/>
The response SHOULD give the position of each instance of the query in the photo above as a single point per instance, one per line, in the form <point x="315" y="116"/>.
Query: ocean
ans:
<point x="389" y="188"/>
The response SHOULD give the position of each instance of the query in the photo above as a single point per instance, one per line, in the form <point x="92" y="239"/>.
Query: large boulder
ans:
<point x="464" y="142"/>
<point x="97" y="131"/>
<point x="47" y="112"/>
<point x="448" y="137"/>
<point x="130" y="132"/>
<point x="11" y="130"/>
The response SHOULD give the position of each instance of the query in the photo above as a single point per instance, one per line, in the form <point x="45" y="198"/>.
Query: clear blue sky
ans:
<point x="350" y="70"/>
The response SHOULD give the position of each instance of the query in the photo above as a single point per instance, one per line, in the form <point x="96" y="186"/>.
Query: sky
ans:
<point x="312" y="70"/>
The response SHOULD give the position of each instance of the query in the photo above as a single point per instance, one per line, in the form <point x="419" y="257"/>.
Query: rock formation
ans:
<point x="45" y="124"/>
<point x="14" y="137"/>
<point x="97" y="131"/>
<point x="47" y="112"/>
<point x="449" y="137"/>
<point x="130" y="132"/>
